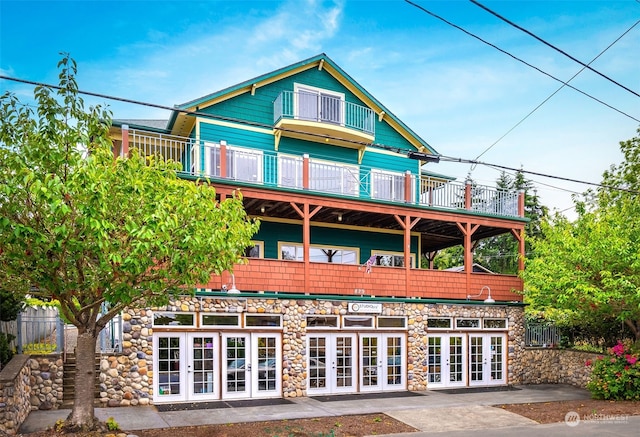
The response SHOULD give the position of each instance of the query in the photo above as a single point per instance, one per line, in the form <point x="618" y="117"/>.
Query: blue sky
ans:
<point x="456" y="92"/>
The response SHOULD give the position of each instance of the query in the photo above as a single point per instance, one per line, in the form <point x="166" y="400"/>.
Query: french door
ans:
<point x="446" y="360"/>
<point x="382" y="362"/>
<point x="207" y="366"/>
<point x="332" y="363"/>
<point x="251" y="365"/>
<point x="487" y="359"/>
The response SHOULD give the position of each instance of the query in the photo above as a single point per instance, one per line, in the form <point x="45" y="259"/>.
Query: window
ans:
<point x="388" y="186"/>
<point x="290" y="171"/>
<point x="494" y="323"/>
<point x="173" y="319"/>
<point x="242" y="164"/>
<point x="263" y="321"/>
<point x="334" y="177"/>
<point x="337" y="255"/>
<point x="468" y="323"/>
<point x="357" y="322"/>
<point x="316" y="104"/>
<point x="256" y="250"/>
<point x="392" y="322"/>
<point x="220" y="320"/>
<point x="322" y="321"/>
<point x="438" y="323"/>
<point x="391" y="259"/>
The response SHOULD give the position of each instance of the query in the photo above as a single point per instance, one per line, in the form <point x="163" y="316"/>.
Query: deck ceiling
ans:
<point x="436" y="234"/>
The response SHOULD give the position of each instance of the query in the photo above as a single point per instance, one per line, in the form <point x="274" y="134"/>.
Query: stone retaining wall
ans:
<point x="556" y="366"/>
<point x="15" y="390"/>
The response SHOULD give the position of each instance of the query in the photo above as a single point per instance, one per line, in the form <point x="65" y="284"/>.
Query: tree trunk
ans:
<point x="635" y="328"/>
<point x="82" y="414"/>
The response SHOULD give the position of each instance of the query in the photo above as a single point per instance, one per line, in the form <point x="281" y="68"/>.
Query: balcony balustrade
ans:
<point x="323" y="108"/>
<point x="220" y="161"/>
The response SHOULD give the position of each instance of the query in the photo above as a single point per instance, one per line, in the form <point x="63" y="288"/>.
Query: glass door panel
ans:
<point x="393" y="371"/>
<point x="170" y="373"/>
<point x="369" y="364"/>
<point x="203" y="366"/>
<point x="235" y="366"/>
<point x="267" y="360"/>
<point x="446" y="361"/>
<point x="343" y="364"/>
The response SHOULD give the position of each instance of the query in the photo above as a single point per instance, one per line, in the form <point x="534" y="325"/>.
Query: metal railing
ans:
<point x="268" y="168"/>
<point x="539" y="335"/>
<point x="323" y="109"/>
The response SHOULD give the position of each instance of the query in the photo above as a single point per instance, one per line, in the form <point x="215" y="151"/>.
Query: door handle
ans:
<point x="248" y="367"/>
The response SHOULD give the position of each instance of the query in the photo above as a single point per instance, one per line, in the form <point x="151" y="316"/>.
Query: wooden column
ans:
<point x="467" y="231"/>
<point x="521" y="203"/>
<point x="519" y="236"/>
<point x="305" y="171"/>
<point x="407" y="187"/>
<point x="223" y="159"/>
<point x="124" y="149"/>
<point x="407" y="225"/>
<point x="467" y="194"/>
<point x="306" y="238"/>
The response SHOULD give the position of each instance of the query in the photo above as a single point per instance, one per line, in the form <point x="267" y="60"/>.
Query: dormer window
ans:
<point x="316" y="104"/>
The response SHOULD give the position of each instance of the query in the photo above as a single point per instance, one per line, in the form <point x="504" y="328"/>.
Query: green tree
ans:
<point x="591" y="266"/>
<point x="500" y="254"/>
<point x="88" y="230"/>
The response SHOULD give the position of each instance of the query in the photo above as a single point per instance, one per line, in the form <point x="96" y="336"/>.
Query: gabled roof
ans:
<point x="321" y="61"/>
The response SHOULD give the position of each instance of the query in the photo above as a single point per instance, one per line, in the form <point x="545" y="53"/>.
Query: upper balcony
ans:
<point x="314" y="115"/>
<point x="228" y="163"/>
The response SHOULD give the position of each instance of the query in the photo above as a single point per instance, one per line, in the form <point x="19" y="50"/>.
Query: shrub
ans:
<point x="616" y="375"/>
<point x="6" y="352"/>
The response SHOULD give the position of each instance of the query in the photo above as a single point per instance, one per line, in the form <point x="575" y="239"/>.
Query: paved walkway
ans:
<point x="449" y="414"/>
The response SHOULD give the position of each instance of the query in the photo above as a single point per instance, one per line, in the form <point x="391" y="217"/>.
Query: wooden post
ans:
<point x="467" y="194"/>
<point x="305" y="171"/>
<point x="223" y="159"/>
<point x="124" y="149"/>
<point x="407" y="187"/>
<point x="521" y="203"/>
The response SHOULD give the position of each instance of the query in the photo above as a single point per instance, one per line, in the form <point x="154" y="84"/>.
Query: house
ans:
<point x="335" y="296"/>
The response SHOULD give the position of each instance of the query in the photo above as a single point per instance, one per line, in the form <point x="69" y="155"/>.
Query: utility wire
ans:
<point x="519" y="60"/>
<point x="556" y="91"/>
<point x="475" y="2"/>
<point x="267" y="126"/>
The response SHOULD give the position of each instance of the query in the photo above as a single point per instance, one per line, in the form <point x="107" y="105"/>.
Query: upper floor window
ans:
<point x="256" y="250"/>
<point x="294" y="252"/>
<point x="392" y="259"/>
<point x="316" y="104"/>
<point x="388" y="186"/>
<point x="241" y="164"/>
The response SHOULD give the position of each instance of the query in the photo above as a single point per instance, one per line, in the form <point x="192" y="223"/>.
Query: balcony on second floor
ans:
<point x="314" y="115"/>
<point x="245" y="166"/>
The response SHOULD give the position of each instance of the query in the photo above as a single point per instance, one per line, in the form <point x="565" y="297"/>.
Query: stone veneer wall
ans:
<point x="29" y="383"/>
<point x="14" y="394"/>
<point x="127" y="379"/>
<point x="556" y="366"/>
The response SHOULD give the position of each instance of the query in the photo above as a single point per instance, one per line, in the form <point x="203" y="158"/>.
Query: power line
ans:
<point x="267" y="126"/>
<point x="557" y="91"/>
<point x="475" y="2"/>
<point x="520" y="60"/>
<point x="562" y="178"/>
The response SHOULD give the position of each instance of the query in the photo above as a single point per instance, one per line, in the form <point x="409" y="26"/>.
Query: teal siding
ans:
<point x="318" y="150"/>
<point x="272" y="233"/>
<point x="258" y="108"/>
<point x="236" y="137"/>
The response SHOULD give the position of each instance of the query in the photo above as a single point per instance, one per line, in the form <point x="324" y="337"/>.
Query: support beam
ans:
<point x="306" y="238"/>
<point x="467" y="231"/>
<point x="407" y="225"/>
<point x="519" y="236"/>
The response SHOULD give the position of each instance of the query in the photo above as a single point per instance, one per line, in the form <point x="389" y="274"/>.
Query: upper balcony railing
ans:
<point x="272" y="169"/>
<point x="322" y="108"/>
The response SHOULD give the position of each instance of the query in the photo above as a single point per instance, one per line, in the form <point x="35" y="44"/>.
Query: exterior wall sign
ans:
<point x="365" y="307"/>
